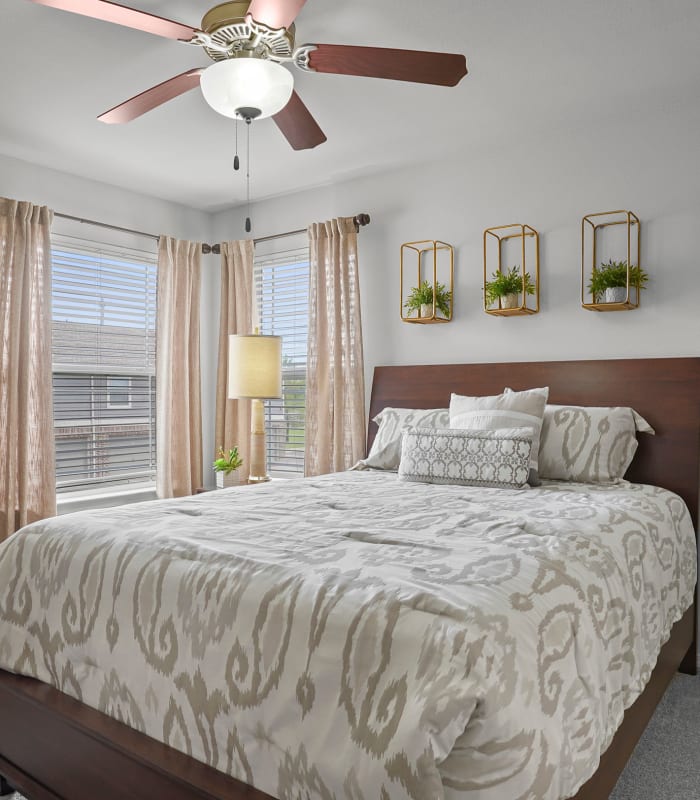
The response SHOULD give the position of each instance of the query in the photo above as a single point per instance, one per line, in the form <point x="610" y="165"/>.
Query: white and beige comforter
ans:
<point x="356" y="637"/>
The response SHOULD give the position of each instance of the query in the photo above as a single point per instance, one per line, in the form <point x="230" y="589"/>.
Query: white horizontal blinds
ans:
<point x="282" y="290"/>
<point x="104" y="317"/>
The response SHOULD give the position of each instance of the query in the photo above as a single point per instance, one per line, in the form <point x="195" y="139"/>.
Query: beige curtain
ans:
<point x="335" y="386"/>
<point x="27" y="451"/>
<point x="237" y="295"/>
<point x="178" y="390"/>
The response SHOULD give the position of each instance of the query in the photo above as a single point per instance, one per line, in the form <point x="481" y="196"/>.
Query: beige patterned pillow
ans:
<point x="507" y="410"/>
<point x="589" y="444"/>
<point x="386" y="447"/>
<point x="497" y="459"/>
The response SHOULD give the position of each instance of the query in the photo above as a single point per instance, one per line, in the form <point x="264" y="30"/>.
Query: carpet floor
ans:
<point x="666" y="762"/>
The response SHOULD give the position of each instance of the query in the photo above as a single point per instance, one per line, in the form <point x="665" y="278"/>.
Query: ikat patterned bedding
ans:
<point x="357" y="637"/>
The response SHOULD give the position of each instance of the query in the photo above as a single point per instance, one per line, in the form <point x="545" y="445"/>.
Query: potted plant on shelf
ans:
<point x="226" y="467"/>
<point x="609" y="281"/>
<point x="506" y="288"/>
<point x="421" y="300"/>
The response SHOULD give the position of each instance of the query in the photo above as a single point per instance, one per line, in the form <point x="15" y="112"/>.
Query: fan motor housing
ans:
<point x="228" y="27"/>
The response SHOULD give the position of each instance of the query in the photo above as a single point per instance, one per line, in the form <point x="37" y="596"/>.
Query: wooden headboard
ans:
<point x="665" y="391"/>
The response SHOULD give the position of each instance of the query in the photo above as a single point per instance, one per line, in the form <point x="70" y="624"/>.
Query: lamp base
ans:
<point x="258" y="459"/>
<point x="259" y="479"/>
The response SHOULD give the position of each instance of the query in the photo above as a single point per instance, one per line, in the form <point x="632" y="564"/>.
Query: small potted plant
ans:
<point x="421" y="300"/>
<point x="506" y="288"/>
<point x="608" y="283"/>
<point x="226" y="467"/>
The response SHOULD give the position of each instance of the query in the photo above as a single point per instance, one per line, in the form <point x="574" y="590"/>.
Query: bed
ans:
<point x="52" y="746"/>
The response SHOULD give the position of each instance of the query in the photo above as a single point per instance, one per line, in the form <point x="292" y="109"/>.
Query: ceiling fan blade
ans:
<point x="417" y="66"/>
<point x="123" y="15"/>
<point x="298" y="126"/>
<point x="275" y="13"/>
<point x="152" y="98"/>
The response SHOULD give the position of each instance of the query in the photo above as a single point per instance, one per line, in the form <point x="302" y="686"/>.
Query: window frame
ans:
<point x="87" y="411"/>
<point x="291" y="255"/>
<point x="130" y="398"/>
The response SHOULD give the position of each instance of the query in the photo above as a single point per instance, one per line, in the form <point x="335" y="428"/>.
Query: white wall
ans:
<point x="79" y="197"/>
<point x="70" y="194"/>
<point x="649" y="164"/>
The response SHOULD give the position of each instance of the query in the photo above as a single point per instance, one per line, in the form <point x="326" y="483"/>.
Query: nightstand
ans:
<point x="202" y="490"/>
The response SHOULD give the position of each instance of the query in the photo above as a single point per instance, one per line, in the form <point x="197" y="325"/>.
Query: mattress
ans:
<point x="357" y="637"/>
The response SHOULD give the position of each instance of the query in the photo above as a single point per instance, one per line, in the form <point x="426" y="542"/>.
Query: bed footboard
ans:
<point x="54" y="748"/>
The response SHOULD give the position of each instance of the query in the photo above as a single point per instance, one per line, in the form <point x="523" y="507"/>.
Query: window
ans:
<point x="104" y="312"/>
<point x="282" y="290"/>
<point x="119" y="392"/>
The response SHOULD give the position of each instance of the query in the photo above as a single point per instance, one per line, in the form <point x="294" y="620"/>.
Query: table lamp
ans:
<point x="255" y="373"/>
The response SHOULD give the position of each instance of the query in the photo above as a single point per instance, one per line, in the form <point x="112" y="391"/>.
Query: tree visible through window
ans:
<point x="104" y="313"/>
<point x="282" y="290"/>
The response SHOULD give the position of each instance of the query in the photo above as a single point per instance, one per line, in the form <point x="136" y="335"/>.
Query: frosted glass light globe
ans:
<point x="253" y="83"/>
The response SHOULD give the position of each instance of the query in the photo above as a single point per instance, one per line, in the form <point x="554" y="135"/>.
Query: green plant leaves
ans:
<point x="505" y="283"/>
<point x="613" y="274"/>
<point x="423" y="295"/>
<point x="227" y="462"/>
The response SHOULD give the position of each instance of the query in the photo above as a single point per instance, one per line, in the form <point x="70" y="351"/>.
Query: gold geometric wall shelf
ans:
<point x="591" y="227"/>
<point x="427" y="282"/>
<point x="517" y="302"/>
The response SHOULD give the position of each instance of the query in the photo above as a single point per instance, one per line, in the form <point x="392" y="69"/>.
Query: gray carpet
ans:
<point x="666" y="763"/>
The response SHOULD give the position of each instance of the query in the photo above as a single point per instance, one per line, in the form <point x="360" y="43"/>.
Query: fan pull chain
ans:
<point x="236" y="160"/>
<point x="248" y="226"/>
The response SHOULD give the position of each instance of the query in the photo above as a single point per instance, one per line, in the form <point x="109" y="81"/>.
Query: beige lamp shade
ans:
<point x="254" y="367"/>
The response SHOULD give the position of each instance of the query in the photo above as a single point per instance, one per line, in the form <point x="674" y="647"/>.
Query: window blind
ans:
<point x="281" y="274"/>
<point x="103" y="321"/>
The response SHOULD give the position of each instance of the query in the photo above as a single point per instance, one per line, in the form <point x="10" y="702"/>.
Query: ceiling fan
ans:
<point x="249" y="41"/>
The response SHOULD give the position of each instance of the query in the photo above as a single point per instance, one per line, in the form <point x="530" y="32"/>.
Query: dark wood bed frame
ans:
<point x="54" y="748"/>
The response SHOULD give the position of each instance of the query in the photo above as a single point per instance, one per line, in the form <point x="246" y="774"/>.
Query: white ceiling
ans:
<point x="535" y="67"/>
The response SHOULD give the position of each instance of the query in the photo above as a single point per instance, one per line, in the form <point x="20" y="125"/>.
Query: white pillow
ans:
<point x="507" y="410"/>
<point x="495" y="458"/>
<point x="589" y="444"/>
<point x="386" y="447"/>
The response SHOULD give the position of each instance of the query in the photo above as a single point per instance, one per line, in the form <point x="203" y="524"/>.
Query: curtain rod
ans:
<point x="359" y="219"/>
<point x="206" y="248"/>
<point x="105" y="225"/>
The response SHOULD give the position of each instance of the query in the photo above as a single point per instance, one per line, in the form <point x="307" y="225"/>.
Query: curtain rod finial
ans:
<point x="360" y="221"/>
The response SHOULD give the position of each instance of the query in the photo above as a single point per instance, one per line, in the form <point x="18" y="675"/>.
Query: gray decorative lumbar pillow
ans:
<point x="507" y="410"/>
<point x="589" y="444"/>
<point x="392" y="422"/>
<point x="496" y="459"/>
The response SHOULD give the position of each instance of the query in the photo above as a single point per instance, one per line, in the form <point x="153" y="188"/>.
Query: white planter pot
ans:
<point x="617" y="294"/>
<point x="510" y="300"/>
<point x="426" y="310"/>
<point x="226" y="480"/>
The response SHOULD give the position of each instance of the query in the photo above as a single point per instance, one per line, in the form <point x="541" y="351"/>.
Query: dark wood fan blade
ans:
<point x="123" y="15"/>
<point x="417" y="66"/>
<point x="298" y="126"/>
<point x="275" y="13"/>
<point x="152" y="98"/>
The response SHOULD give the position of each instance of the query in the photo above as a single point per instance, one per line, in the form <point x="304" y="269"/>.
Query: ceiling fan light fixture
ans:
<point x="239" y="84"/>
